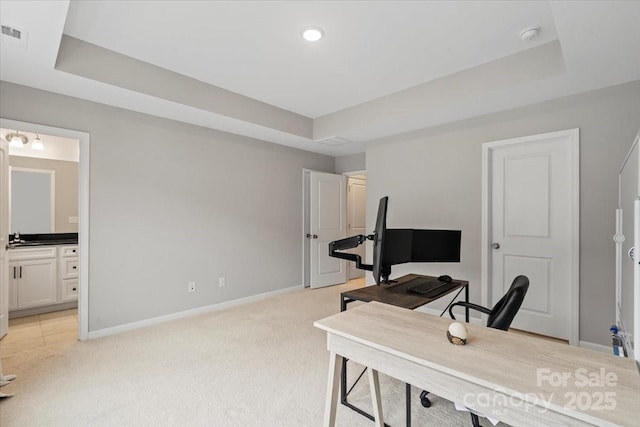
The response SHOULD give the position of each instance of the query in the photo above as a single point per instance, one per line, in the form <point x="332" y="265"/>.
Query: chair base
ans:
<point x="424" y="400"/>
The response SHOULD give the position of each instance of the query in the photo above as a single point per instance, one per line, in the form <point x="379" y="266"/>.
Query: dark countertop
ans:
<point x="50" y="239"/>
<point x="45" y="243"/>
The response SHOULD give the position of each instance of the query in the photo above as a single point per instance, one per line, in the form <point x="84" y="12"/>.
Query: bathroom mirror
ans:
<point x="32" y="201"/>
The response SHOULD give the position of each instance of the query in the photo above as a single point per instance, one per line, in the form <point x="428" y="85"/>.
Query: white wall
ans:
<point x="172" y="203"/>
<point x="433" y="178"/>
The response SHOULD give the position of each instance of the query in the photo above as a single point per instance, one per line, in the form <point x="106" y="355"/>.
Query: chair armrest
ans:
<point x="468" y="305"/>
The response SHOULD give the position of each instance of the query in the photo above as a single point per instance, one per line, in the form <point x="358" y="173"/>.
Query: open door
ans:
<point x="4" y="236"/>
<point x="328" y="212"/>
<point x="356" y="219"/>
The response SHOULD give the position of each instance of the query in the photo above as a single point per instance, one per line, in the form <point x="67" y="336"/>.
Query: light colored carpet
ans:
<point x="259" y="364"/>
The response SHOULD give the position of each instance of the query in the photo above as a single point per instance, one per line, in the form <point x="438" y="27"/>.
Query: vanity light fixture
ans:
<point x="37" y="144"/>
<point x="312" y="34"/>
<point x="16" y="140"/>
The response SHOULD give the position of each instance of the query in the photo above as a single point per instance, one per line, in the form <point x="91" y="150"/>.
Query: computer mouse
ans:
<point x="445" y="278"/>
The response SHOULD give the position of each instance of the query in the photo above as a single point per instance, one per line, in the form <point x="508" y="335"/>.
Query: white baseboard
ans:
<point x="187" y="313"/>
<point x="596" y="347"/>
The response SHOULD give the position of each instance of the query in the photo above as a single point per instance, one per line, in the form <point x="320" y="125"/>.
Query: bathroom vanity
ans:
<point x="43" y="273"/>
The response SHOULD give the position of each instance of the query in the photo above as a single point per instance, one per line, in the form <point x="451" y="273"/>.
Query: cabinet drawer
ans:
<point x="68" y="268"/>
<point x="31" y="253"/>
<point x="69" y="251"/>
<point x="69" y="290"/>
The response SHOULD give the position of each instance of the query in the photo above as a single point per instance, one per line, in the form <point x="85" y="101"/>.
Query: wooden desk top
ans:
<point x="406" y="300"/>
<point x="515" y="364"/>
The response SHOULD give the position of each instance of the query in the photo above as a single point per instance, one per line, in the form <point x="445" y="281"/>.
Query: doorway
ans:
<point x="81" y="220"/>
<point x="530" y="226"/>
<point x="356" y="217"/>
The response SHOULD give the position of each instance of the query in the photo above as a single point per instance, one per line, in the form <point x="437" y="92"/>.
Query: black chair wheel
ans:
<point x="424" y="400"/>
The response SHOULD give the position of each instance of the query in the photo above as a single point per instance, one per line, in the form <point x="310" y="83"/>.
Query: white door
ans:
<point x="4" y="236"/>
<point x="533" y="228"/>
<point x="356" y="219"/>
<point x="328" y="223"/>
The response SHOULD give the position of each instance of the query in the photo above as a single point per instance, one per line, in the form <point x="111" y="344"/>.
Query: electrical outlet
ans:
<point x="221" y="282"/>
<point x="191" y="286"/>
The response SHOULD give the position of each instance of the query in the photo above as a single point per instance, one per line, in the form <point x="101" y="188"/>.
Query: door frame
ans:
<point x="306" y="174"/>
<point x="83" y="209"/>
<point x="486" y="253"/>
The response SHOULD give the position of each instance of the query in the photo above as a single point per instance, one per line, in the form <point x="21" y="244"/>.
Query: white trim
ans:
<point x="83" y="210"/>
<point x="485" y="279"/>
<point x="305" y="209"/>
<point x="595" y="347"/>
<point x="83" y="235"/>
<point x="188" y="313"/>
<point x="354" y="173"/>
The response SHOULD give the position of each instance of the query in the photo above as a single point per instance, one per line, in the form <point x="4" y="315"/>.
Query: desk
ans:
<point x="384" y="294"/>
<point x="514" y="378"/>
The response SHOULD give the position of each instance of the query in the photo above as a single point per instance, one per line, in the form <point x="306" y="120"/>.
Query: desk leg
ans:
<point x="375" y="397"/>
<point x="332" y="390"/>
<point x="408" y="403"/>
<point x="466" y="298"/>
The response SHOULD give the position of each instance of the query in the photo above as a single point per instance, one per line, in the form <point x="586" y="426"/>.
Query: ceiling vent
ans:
<point x="14" y="37"/>
<point x="334" y="141"/>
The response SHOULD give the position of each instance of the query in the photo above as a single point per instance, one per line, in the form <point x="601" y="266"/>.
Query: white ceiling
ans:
<point x="375" y="73"/>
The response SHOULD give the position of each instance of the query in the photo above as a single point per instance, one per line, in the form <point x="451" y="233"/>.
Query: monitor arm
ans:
<point x="350" y="243"/>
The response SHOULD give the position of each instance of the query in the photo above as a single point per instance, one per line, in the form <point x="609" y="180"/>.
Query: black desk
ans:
<point x="408" y="300"/>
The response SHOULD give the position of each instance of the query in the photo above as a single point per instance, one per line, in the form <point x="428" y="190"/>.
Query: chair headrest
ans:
<point x="503" y="313"/>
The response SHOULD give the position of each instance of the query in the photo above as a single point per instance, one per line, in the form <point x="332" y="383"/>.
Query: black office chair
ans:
<point x="500" y="317"/>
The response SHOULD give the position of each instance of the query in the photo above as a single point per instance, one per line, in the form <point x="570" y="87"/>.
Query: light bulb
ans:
<point x="312" y="34"/>
<point x="16" y="141"/>
<point x="37" y="144"/>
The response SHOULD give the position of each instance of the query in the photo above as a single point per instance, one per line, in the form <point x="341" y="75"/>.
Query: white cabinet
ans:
<point x="33" y="278"/>
<point x="42" y="276"/>
<point x="68" y="267"/>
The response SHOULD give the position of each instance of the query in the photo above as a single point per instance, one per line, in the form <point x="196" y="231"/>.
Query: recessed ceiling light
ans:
<point x="529" y="33"/>
<point x="312" y="34"/>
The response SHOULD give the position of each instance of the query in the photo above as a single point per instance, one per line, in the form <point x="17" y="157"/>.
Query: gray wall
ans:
<point x="433" y="178"/>
<point x="352" y="163"/>
<point x="172" y="203"/>
<point x="66" y="188"/>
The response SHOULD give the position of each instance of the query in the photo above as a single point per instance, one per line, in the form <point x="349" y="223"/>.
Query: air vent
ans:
<point x="334" y="141"/>
<point x="12" y="36"/>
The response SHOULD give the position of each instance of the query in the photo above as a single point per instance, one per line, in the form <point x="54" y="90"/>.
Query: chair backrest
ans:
<point x="505" y="310"/>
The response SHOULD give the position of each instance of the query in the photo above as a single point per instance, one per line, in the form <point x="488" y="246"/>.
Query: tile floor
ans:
<point x="40" y="330"/>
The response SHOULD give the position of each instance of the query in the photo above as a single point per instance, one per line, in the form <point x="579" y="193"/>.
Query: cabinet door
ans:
<point x="37" y="283"/>
<point x="69" y="290"/>
<point x="69" y="268"/>
<point x="13" y="286"/>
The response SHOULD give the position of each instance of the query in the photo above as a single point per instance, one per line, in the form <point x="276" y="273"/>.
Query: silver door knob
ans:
<point x="496" y="246"/>
<point x="315" y="236"/>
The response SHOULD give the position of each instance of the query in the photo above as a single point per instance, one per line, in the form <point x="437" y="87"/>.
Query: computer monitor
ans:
<point x="399" y="246"/>
<point x="379" y="268"/>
